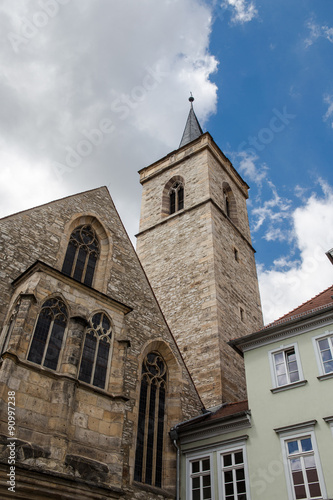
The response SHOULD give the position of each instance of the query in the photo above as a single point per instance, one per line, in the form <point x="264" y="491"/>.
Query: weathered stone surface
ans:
<point x="56" y="413"/>
<point x="190" y="260"/>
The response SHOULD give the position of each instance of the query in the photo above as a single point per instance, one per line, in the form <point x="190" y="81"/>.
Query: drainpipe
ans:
<point x="174" y="436"/>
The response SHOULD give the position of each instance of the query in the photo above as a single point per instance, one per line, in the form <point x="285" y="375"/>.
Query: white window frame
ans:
<point x="315" y="341"/>
<point x="193" y="458"/>
<point x="289" y="385"/>
<point x="294" y="434"/>
<point x="232" y="448"/>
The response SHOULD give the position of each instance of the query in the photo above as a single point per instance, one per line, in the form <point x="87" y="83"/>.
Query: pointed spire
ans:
<point x="192" y="128"/>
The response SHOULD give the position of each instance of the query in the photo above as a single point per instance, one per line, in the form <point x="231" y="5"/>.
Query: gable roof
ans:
<point x="318" y="302"/>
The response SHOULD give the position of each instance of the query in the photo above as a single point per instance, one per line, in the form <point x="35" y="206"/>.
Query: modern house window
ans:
<point x="176" y="196"/>
<point x="233" y="476"/>
<point x="303" y="468"/>
<point x="200" y="479"/>
<point x="49" y="333"/>
<point x="82" y="254"/>
<point x="96" y="351"/>
<point x="149" y="445"/>
<point x="324" y="346"/>
<point x="286" y="367"/>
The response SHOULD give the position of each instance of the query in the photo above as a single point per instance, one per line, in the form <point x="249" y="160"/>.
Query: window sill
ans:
<point x="326" y="376"/>
<point x="289" y="386"/>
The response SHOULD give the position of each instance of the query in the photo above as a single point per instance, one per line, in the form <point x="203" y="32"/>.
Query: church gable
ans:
<point x="82" y="340"/>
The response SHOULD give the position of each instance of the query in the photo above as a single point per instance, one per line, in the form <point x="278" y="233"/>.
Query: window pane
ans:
<point x="229" y="489"/>
<point x="101" y="364"/>
<point x="80" y="263"/>
<point x="180" y="198"/>
<point x="298" y="477"/>
<point x="280" y="369"/>
<point x="312" y="475"/>
<point x="328" y="367"/>
<point x="282" y="380"/>
<point x="69" y="259"/>
<point x="195" y="467"/>
<point x="279" y="358"/>
<point x="172" y="202"/>
<point x="300" y="492"/>
<point x="227" y="460"/>
<point x="241" y="487"/>
<point x="306" y="444"/>
<point x="295" y="464"/>
<point x="206" y="480"/>
<point x="239" y="457"/>
<point x="88" y="279"/>
<point x="207" y="493"/>
<point x="292" y="447"/>
<point x="39" y="338"/>
<point x="196" y="495"/>
<point x="323" y="344"/>
<point x="314" y="490"/>
<point x="309" y="462"/>
<point x="294" y="376"/>
<point x="87" y="358"/>
<point x="54" y="346"/>
<point x="205" y="464"/>
<point x="228" y="476"/>
<point x="240" y="474"/>
<point x="196" y="482"/>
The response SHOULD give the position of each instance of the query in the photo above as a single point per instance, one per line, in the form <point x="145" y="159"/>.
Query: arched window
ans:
<point x="176" y="196"/>
<point x="82" y="254"/>
<point x="96" y="350"/>
<point x="49" y="333"/>
<point x="149" y="445"/>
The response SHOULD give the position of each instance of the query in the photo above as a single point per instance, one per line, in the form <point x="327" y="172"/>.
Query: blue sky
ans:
<point x="94" y="90"/>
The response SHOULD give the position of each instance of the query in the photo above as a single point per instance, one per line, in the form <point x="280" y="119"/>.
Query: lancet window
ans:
<point x="149" y="446"/>
<point x="176" y="197"/>
<point x="96" y="351"/>
<point x="49" y="333"/>
<point x="82" y="253"/>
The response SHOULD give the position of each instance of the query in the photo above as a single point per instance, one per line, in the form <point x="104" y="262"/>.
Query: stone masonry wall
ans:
<point x="96" y="415"/>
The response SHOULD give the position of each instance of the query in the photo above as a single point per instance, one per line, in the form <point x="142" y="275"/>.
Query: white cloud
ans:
<point x="318" y="31"/>
<point x="67" y="72"/>
<point x="292" y="282"/>
<point x="328" y="99"/>
<point x="242" y="12"/>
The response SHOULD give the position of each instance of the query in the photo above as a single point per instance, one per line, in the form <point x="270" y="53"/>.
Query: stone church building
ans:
<point x="103" y="353"/>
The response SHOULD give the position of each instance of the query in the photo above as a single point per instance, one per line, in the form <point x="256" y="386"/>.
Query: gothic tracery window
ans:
<point x="149" y="446"/>
<point x="176" y="196"/>
<point x="49" y="333"/>
<point x="82" y="254"/>
<point x="96" y="350"/>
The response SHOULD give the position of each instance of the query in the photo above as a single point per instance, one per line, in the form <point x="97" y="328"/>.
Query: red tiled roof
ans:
<point x="318" y="302"/>
<point x="230" y="409"/>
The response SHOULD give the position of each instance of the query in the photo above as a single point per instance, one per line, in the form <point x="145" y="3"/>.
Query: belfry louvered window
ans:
<point x="149" y="445"/>
<point x="82" y="254"/>
<point x="176" y="195"/>
<point x="96" y="351"/>
<point x="49" y="333"/>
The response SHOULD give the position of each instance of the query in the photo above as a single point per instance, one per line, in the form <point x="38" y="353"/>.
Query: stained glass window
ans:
<point x="149" y="446"/>
<point x="49" y="333"/>
<point x="82" y="254"/>
<point x="96" y="350"/>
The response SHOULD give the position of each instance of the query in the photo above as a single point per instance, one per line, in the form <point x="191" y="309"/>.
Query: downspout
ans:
<point x="174" y="436"/>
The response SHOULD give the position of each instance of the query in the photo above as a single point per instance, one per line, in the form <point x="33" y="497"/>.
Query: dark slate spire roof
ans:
<point x="192" y="128"/>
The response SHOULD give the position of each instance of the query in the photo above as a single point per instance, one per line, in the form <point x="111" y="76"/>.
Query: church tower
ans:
<point x="195" y="246"/>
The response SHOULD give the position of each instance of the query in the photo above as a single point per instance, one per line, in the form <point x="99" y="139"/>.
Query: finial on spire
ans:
<point x="192" y="128"/>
